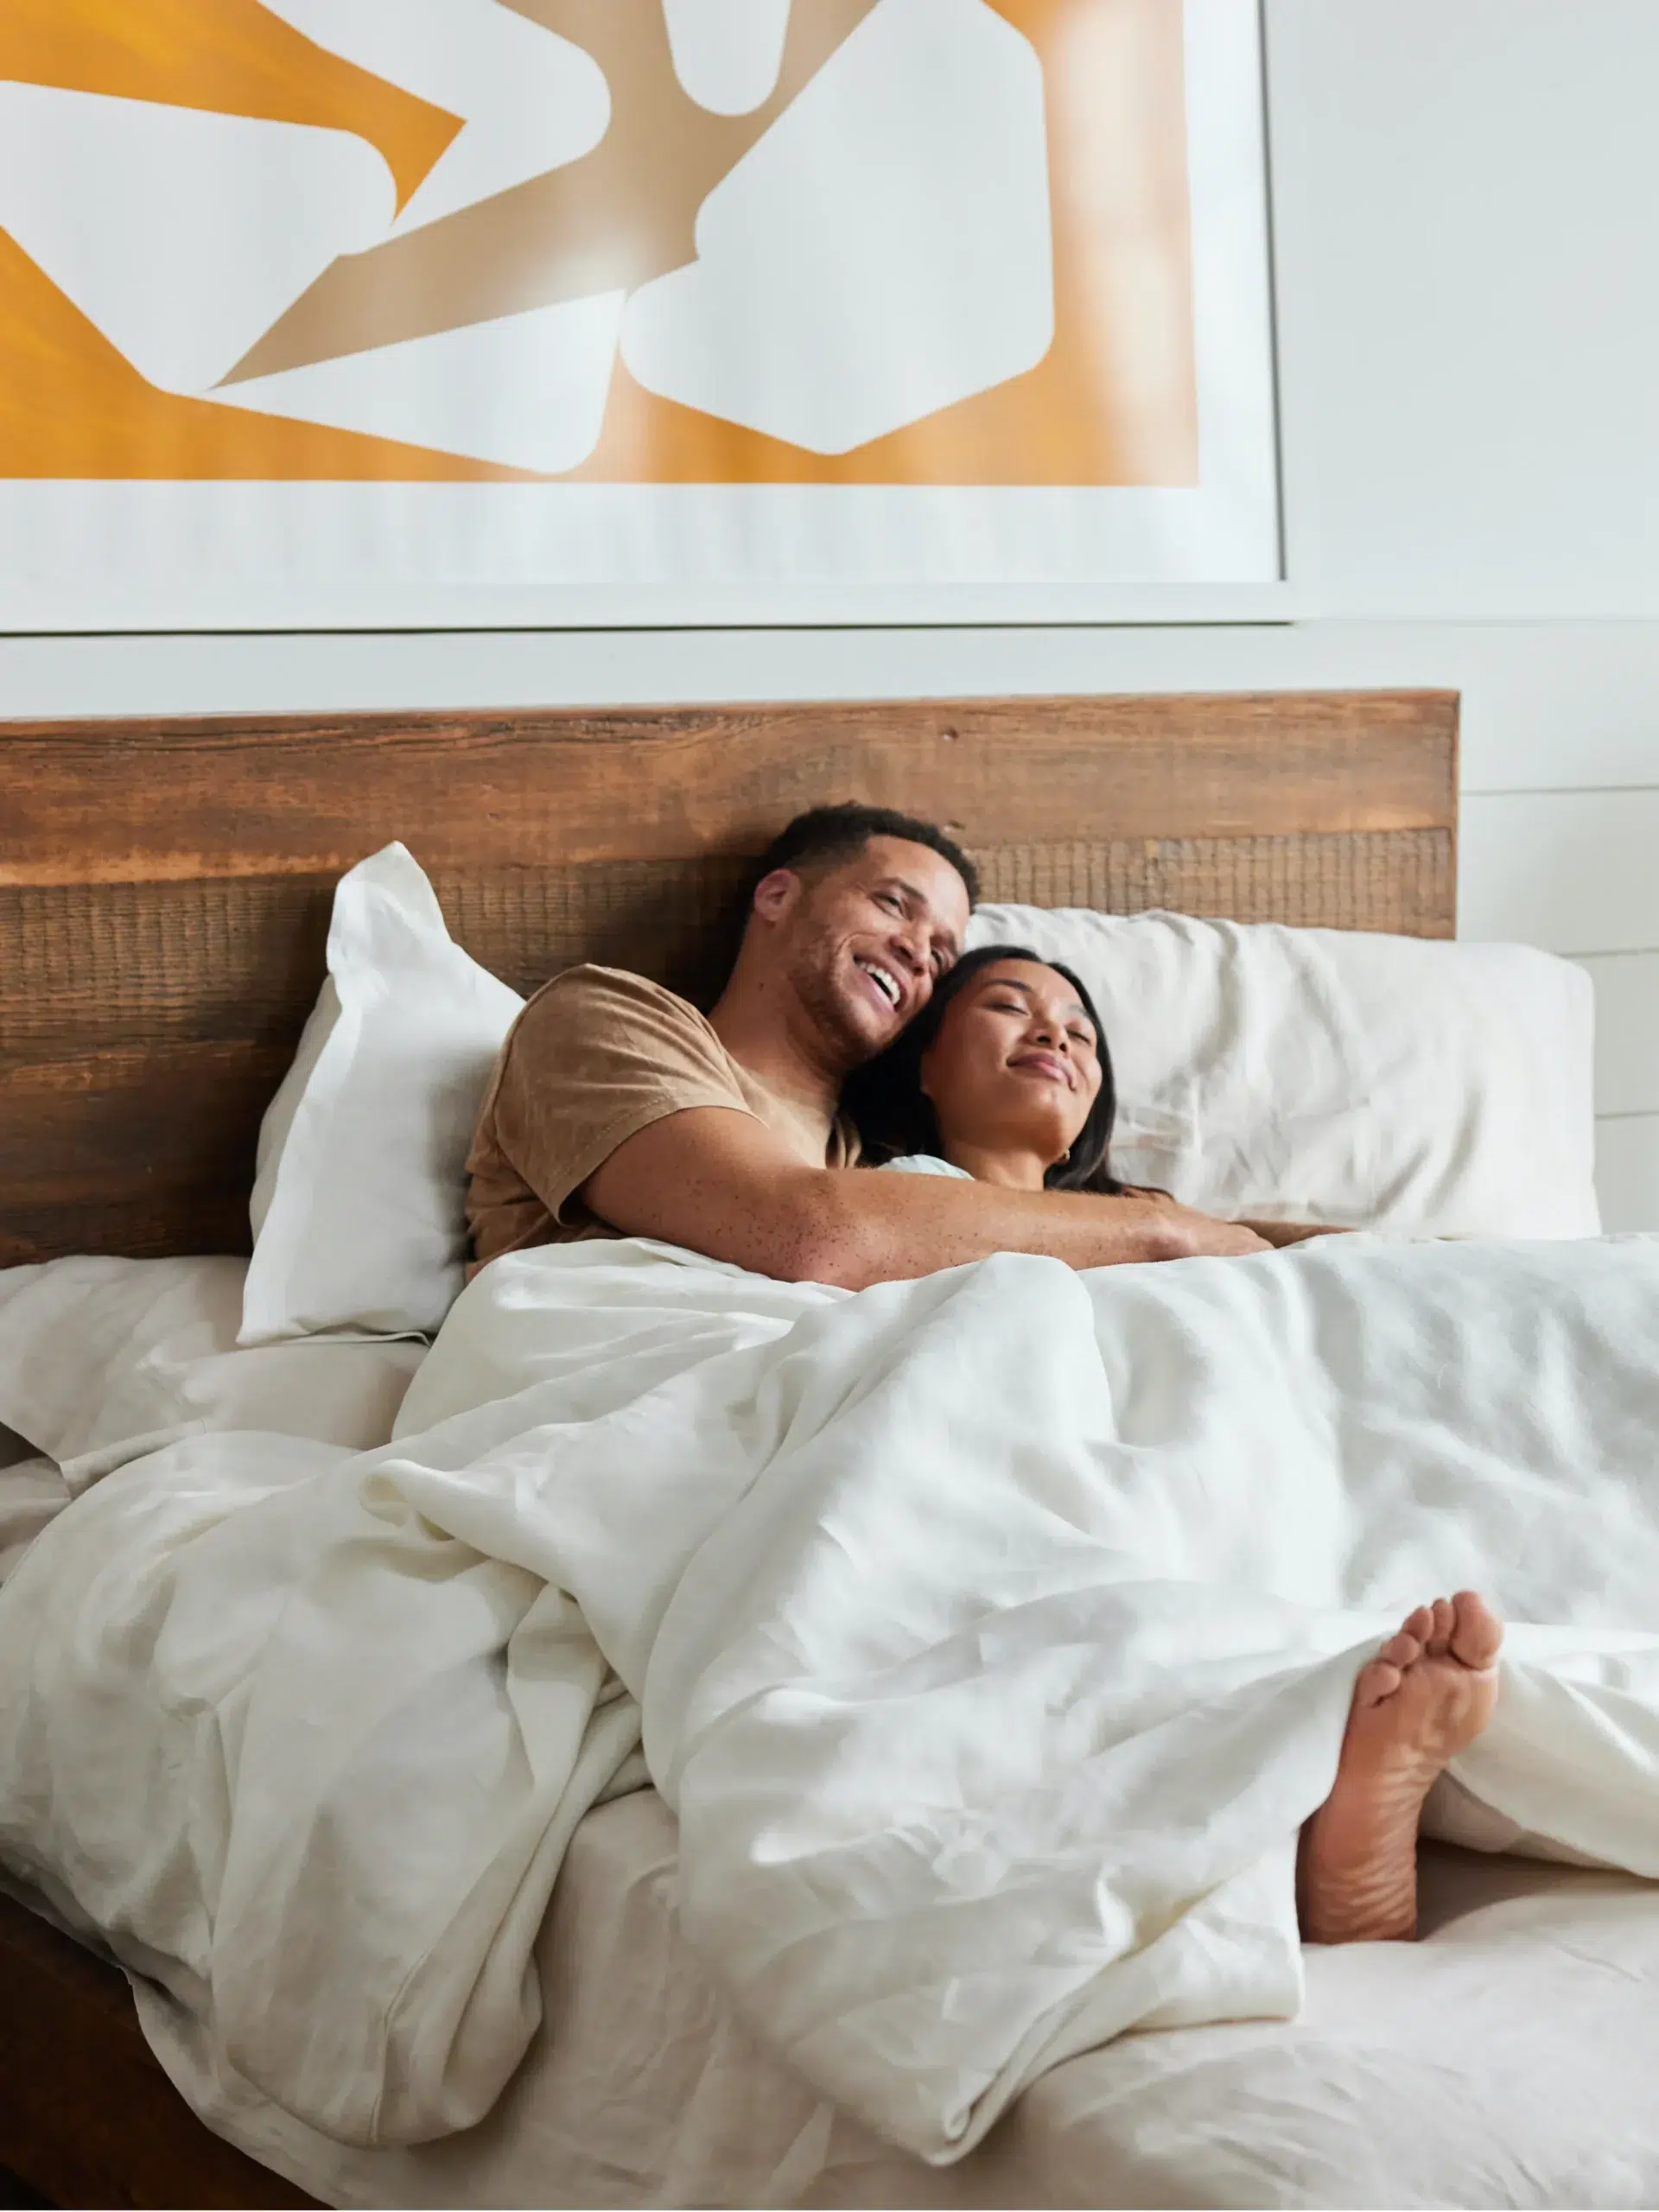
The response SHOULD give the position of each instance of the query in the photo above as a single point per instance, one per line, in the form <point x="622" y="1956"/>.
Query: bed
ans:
<point x="164" y="893"/>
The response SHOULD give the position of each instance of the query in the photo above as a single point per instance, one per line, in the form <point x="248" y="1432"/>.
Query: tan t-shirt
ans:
<point x="595" y="1056"/>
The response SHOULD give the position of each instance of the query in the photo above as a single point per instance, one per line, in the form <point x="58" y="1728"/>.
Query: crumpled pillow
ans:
<point x="358" y="1205"/>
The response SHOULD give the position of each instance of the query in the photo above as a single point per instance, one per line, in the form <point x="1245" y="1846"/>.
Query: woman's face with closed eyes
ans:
<point x="1015" y="1066"/>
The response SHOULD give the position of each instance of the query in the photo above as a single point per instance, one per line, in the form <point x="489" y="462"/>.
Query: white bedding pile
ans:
<point x="993" y="1635"/>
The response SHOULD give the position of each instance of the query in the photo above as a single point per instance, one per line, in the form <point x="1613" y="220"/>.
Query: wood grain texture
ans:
<point x="87" y="2115"/>
<point x="146" y="801"/>
<point x="144" y="1150"/>
<point x="165" y="886"/>
<point x="1402" y="881"/>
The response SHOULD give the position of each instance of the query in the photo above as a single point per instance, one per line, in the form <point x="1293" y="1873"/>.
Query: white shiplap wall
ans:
<point x="1466" y="220"/>
<point x="1466" y="195"/>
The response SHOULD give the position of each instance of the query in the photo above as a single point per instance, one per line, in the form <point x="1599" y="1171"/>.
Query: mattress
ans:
<point x="1508" y="2058"/>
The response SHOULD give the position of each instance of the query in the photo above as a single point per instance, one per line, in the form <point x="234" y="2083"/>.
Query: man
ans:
<point x="617" y="1108"/>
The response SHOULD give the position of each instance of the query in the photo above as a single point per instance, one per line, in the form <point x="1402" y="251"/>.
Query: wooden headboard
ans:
<point x="164" y="886"/>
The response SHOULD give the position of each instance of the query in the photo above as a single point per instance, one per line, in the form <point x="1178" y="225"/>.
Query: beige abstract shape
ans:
<point x="522" y="392"/>
<point x="611" y="221"/>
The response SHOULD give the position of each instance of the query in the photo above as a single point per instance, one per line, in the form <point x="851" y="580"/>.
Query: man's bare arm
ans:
<point x="719" y="1182"/>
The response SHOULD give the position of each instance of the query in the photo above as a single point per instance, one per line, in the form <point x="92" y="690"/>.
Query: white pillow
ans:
<point x="358" y="1202"/>
<point x="102" y="1360"/>
<point x="1338" y="1075"/>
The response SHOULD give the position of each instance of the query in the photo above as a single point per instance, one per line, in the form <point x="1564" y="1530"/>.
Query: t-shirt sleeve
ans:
<point x="594" y="1058"/>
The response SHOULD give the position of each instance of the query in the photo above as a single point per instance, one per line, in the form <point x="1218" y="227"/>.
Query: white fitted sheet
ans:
<point x="1509" y="2058"/>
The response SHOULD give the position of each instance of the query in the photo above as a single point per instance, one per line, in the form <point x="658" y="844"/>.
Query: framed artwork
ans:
<point x="445" y="313"/>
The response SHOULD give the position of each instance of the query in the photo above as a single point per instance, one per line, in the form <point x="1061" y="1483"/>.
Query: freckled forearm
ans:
<point x="716" y="1182"/>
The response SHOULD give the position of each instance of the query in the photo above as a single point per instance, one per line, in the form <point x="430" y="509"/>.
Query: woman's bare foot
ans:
<point x="1425" y="1697"/>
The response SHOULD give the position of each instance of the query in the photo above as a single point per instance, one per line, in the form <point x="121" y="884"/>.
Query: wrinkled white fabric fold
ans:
<point x="993" y="1635"/>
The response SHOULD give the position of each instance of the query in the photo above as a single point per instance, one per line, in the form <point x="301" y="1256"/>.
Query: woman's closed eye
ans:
<point x="1079" y="1033"/>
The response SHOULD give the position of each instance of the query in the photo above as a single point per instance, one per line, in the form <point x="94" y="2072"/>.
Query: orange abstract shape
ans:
<point x="232" y="57"/>
<point x="71" y="407"/>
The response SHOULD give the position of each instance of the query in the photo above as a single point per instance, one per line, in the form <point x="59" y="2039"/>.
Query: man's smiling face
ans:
<point x="864" y="940"/>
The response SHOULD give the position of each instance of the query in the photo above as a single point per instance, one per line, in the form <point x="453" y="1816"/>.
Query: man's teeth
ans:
<point x="887" y="983"/>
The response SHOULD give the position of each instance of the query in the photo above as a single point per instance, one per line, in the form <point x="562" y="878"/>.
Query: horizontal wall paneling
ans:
<point x="1627" y="1171"/>
<point x="1575" y="870"/>
<point x="1627" y="1030"/>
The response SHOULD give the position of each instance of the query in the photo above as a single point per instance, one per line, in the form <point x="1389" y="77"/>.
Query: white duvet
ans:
<point x="993" y="1635"/>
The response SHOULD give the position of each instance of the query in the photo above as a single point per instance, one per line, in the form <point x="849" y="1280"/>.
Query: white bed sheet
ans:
<point x="32" y="1492"/>
<point x="1507" y="2059"/>
<point x="363" y="1666"/>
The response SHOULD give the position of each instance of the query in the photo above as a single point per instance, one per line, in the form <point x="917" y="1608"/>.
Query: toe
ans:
<point x="1420" y="1623"/>
<point x="1438" y="1642"/>
<point x="1378" y="1680"/>
<point x="1403" y="1650"/>
<point x="1476" y="1632"/>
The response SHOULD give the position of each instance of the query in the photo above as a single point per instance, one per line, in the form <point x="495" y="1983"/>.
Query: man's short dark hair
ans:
<point x="827" y="836"/>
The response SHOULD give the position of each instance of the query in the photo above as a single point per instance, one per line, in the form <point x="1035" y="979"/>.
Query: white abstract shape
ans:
<point x="181" y="235"/>
<point x="530" y="100"/>
<point x="882" y="252"/>
<point x="525" y="391"/>
<point x="726" y="53"/>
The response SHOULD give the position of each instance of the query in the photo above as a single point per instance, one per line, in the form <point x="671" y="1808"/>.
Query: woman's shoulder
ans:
<point x="924" y="1163"/>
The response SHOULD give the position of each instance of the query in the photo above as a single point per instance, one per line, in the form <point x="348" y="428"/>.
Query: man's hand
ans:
<point x="1223" y="1240"/>
<point x="1204" y="1236"/>
<point x="1281" y="1233"/>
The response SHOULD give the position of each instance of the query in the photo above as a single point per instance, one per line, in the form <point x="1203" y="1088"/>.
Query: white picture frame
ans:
<point x="94" y="553"/>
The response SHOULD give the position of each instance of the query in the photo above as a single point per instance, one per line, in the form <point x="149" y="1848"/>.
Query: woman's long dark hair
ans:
<point x="895" y="1115"/>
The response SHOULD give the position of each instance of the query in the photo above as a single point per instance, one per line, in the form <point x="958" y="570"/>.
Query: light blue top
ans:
<point x="923" y="1163"/>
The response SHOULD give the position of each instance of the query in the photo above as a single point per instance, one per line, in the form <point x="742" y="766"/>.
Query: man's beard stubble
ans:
<point x="811" y="974"/>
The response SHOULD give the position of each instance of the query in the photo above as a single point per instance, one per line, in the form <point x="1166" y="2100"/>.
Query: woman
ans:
<point x="1005" y="1077"/>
